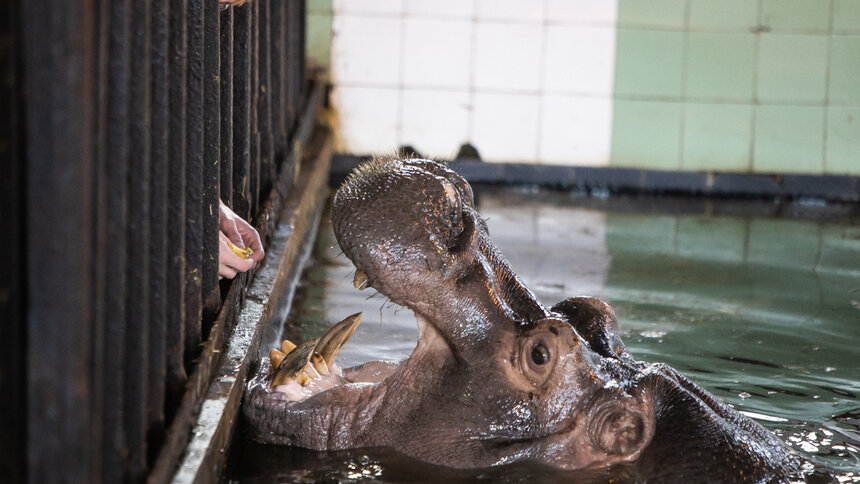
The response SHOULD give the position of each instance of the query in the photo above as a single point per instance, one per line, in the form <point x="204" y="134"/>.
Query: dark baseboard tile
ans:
<point x="630" y="180"/>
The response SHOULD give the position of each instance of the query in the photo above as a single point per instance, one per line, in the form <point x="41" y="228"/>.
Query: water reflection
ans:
<point x="758" y="302"/>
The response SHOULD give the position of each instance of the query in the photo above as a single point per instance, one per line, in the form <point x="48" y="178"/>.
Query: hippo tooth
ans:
<point x="319" y="364"/>
<point x="276" y="357"/>
<point x="287" y="346"/>
<point x="359" y="281"/>
<point x="293" y="364"/>
<point x="303" y="379"/>
<point x="331" y="342"/>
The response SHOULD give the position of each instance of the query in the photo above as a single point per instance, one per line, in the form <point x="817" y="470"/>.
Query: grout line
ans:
<point x="540" y="82"/>
<point x="755" y="100"/>
<point x="826" y="110"/>
<point x="685" y="64"/>
<point x="470" y="124"/>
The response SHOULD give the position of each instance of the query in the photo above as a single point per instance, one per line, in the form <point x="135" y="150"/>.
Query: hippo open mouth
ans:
<point x="496" y="376"/>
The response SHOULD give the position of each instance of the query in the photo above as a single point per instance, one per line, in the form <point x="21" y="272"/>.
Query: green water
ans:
<point x="758" y="302"/>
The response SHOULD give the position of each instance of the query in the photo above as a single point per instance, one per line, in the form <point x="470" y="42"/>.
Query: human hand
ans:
<point x="240" y="232"/>
<point x="230" y="264"/>
<point x="234" y="229"/>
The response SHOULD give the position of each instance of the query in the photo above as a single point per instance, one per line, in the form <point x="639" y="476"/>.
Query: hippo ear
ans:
<point x="595" y="322"/>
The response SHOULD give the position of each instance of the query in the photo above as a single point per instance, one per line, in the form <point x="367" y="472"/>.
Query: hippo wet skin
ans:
<point x="497" y="377"/>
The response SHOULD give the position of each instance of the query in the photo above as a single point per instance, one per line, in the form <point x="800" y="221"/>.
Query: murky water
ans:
<point x="757" y="302"/>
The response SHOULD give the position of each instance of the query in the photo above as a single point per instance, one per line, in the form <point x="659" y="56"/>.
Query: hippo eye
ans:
<point x="540" y="354"/>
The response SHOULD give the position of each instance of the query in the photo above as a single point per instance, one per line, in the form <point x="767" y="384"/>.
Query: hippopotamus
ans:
<point x="497" y="377"/>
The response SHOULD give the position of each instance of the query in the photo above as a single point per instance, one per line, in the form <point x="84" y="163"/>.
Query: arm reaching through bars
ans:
<point x="240" y="247"/>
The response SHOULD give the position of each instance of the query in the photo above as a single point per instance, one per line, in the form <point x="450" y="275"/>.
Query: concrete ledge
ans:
<point x="627" y="180"/>
<point x="267" y="301"/>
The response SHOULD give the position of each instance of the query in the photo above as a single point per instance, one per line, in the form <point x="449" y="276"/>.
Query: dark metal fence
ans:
<point x="127" y="121"/>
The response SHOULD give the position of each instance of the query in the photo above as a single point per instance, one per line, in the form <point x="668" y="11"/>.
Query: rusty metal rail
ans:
<point x="127" y="122"/>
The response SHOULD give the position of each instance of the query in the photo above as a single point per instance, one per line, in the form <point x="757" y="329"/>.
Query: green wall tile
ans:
<point x="796" y="15"/>
<point x="717" y="137"/>
<point x="720" y="66"/>
<point x="651" y="13"/>
<point x="792" y="68"/>
<point x="845" y="70"/>
<point x="319" y="6"/>
<point x="843" y="141"/>
<point x="723" y="15"/>
<point x="788" y="139"/>
<point x="846" y="16"/>
<point x="646" y="134"/>
<point x="318" y="37"/>
<point x="711" y="238"/>
<point x="783" y="243"/>
<point x="649" y="63"/>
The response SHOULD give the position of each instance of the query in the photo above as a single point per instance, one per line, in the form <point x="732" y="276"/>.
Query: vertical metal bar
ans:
<point x="277" y="79"/>
<point x="242" y="109"/>
<point x="211" y="154"/>
<point x="295" y="61"/>
<point x="264" y="107"/>
<point x="59" y="235"/>
<point x="227" y="106"/>
<point x="116" y="252"/>
<point x="194" y="182"/>
<point x="254" y="166"/>
<point x="137" y="298"/>
<point x="13" y="384"/>
<point x="158" y="228"/>
<point x="283" y="74"/>
<point x="99" y="230"/>
<point x="175" y="337"/>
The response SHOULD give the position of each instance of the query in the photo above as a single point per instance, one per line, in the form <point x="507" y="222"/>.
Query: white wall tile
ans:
<point x="364" y="7"/>
<point x="505" y="126"/>
<point x="366" y="50"/>
<point x="580" y="60"/>
<point x="435" y="122"/>
<point x="576" y="131"/>
<point x="578" y="12"/>
<point x="437" y="53"/>
<point x="510" y="11"/>
<point x="462" y="9"/>
<point x="507" y="56"/>
<point x="366" y="119"/>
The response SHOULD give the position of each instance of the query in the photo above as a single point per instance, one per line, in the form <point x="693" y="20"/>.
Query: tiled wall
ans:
<point x="704" y="85"/>
<point x="738" y="85"/>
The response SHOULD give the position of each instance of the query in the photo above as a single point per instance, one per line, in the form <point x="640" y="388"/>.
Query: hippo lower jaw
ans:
<point x="496" y="377"/>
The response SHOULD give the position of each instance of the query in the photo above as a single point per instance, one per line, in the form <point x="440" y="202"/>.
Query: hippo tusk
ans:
<point x="319" y="364"/>
<point x="331" y="342"/>
<point x="293" y="364"/>
<point x="359" y="281"/>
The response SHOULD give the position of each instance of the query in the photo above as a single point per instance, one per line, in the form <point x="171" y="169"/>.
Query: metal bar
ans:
<point x="175" y="336"/>
<point x="118" y="151"/>
<point x="13" y="383"/>
<point x="264" y="109"/>
<point x="211" y="153"/>
<point x="137" y="275"/>
<point x="242" y="109"/>
<point x="194" y="181"/>
<point x="157" y="367"/>
<point x="277" y="77"/>
<point x="227" y="106"/>
<point x="295" y="65"/>
<point x="59" y="237"/>
<point x="254" y="158"/>
<point x="98" y="197"/>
